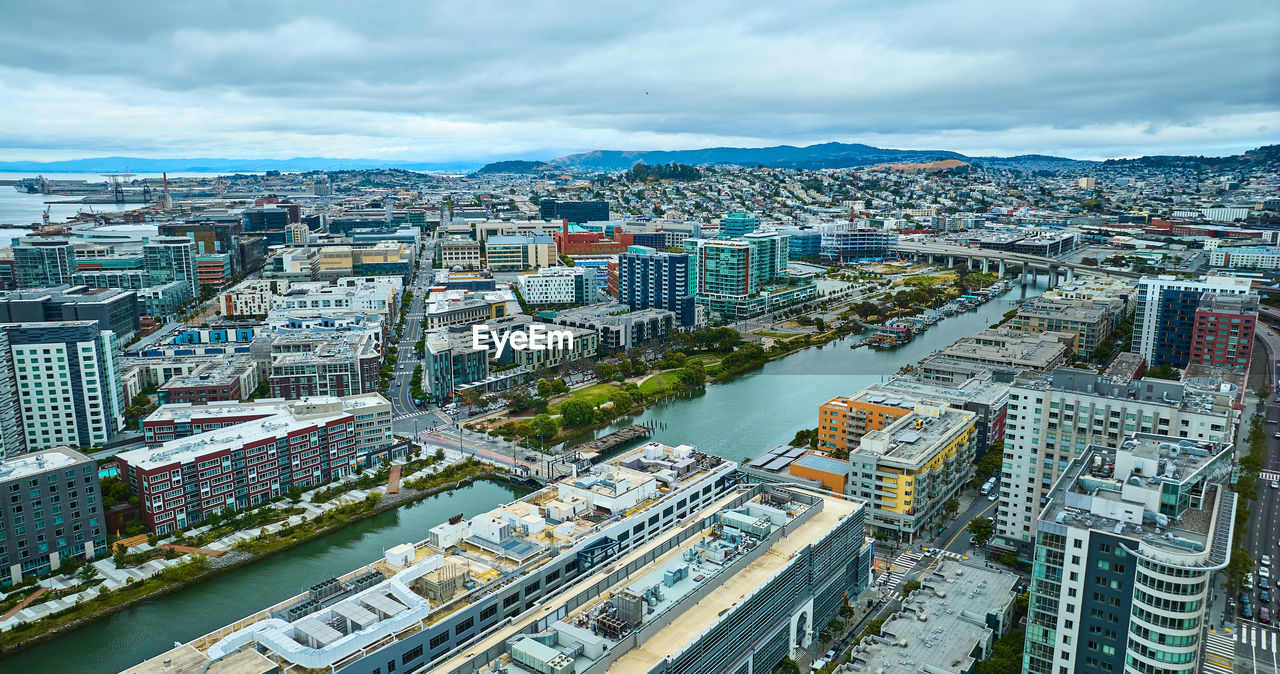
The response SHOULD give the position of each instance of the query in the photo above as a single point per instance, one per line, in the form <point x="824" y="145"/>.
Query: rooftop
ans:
<point x="917" y="436"/>
<point x="1126" y="492"/>
<point x="1213" y="395"/>
<point x="36" y="463"/>
<point x="942" y="623"/>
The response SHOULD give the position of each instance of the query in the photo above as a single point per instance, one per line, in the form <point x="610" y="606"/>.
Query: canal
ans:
<point x="737" y="419"/>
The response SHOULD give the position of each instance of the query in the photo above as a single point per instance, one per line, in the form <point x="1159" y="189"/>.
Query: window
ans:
<point x="439" y="640"/>
<point x="412" y="654"/>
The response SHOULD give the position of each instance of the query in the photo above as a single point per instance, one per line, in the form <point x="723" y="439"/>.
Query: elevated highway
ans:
<point x="1027" y="266"/>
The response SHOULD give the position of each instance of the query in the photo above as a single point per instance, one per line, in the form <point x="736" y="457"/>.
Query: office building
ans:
<point x="379" y="295"/>
<point x="648" y="279"/>
<point x="1164" y="320"/>
<point x="172" y="258"/>
<point x="619" y="329"/>
<point x="66" y="382"/>
<point x="909" y="468"/>
<point x="457" y="252"/>
<point x="1125" y="554"/>
<point x="574" y="211"/>
<point x="269" y="222"/>
<point x="292" y="264"/>
<point x="1090" y="322"/>
<point x="582" y="344"/>
<point x="214" y="269"/>
<point x="519" y="252"/>
<point x="559" y="285"/>
<point x="737" y="225"/>
<point x="1224" y="330"/>
<point x="850" y="242"/>
<point x="41" y="263"/>
<point x="243" y="464"/>
<point x="163" y="303"/>
<point x="458" y="307"/>
<point x="114" y="309"/>
<point x="1052" y="419"/>
<point x="72" y="527"/>
<point x="804" y="244"/>
<point x="1001" y="349"/>
<point x="564" y="579"/>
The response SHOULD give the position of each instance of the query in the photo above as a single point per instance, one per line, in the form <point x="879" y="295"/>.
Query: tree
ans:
<point x="1240" y="565"/>
<point x="577" y="413"/>
<point x="622" y="401"/>
<point x="207" y="292"/>
<point x="982" y="530"/>
<point x="1165" y="371"/>
<point x="909" y="587"/>
<point x="950" y="507"/>
<point x="545" y="388"/>
<point x="544" y="426"/>
<point x="604" y="371"/>
<point x="1264" y="391"/>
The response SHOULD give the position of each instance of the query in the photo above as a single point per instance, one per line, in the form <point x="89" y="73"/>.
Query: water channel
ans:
<point x="736" y="419"/>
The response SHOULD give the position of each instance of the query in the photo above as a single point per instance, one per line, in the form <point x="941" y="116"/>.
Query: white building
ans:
<point x="1165" y="310"/>
<point x="559" y="285"/>
<point x="1053" y="419"/>
<point x="1245" y="257"/>
<point x="254" y="297"/>
<point x="456" y="251"/>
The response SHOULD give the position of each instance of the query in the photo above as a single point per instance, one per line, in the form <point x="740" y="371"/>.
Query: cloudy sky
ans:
<point x="477" y="80"/>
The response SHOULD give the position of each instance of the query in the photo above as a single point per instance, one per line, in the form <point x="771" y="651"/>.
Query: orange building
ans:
<point x="832" y="473"/>
<point x="843" y="420"/>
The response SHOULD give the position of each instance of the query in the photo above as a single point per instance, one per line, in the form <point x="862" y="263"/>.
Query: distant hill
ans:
<point x="941" y="165"/>
<point x="218" y="165"/>
<point x="514" y="166"/>
<point x="1264" y="154"/>
<point x="822" y="155"/>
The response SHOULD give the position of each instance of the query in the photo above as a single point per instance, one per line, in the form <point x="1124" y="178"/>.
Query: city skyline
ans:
<point x="448" y="85"/>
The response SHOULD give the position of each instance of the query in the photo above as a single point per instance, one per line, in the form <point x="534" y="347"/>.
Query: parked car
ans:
<point x="1246" y="611"/>
<point x="1266" y="560"/>
<point x="1264" y="615"/>
<point x="993" y="497"/>
<point x="1248" y="581"/>
<point x="1264" y="597"/>
<point x="1264" y="572"/>
<point x="1244" y="598"/>
<point x="1264" y="584"/>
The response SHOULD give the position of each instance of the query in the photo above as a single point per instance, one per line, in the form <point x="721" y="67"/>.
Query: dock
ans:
<point x="605" y="444"/>
<point x="393" y="480"/>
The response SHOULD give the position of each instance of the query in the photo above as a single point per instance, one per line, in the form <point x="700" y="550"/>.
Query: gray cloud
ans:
<point x="455" y="80"/>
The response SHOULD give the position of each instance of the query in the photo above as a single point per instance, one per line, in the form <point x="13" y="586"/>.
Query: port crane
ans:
<point x="117" y="181"/>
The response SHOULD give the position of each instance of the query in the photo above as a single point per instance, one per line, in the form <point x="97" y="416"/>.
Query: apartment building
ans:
<point x="1125" y="554"/>
<point x="203" y="458"/>
<point x="735" y="225"/>
<point x="648" y="279"/>
<point x="1004" y="349"/>
<point x="172" y="258"/>
<point x="41" y="263"/>
<point x="1090" y="322"/>
<point x="456" y="251"/>
<point x="323" y="363"/>
<point x="1052" y="419"/>
<point x="223" y="379"/>
<point x="1246" y="257"/>
<point x="254" y="297"/>
<point x="459" y="307"/>
<point x="559" y="285"/>
<point x="1223" y="335"/>
<point x="747" y="276"/>
<point x="65" y="382"/>
<point x="618" y="328"/>
<point x="114" y="309"/>
<point x="52" y="513"/>
<point x="1164" y="320"/>
<point x="909" y="468"/>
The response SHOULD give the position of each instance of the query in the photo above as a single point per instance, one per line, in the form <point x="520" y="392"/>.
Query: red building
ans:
<point x="181" y="481"/>
<point x="1223" y="332"/>
<point x="589" y="243"/>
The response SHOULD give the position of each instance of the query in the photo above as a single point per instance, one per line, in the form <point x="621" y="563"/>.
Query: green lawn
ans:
<point x="777" y="335"/>
<point x="706" y="359"/>
<point x="658" y="383"/>
<point x="594" y="395"/>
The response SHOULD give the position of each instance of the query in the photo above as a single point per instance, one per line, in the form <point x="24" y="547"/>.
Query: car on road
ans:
<point x="1247" y="583"/>
<point x="1264" y="597"/>
<point x="1266" y="560"/>
<point x="1264" y="615"/>
<point x="993" y="497"/>
<point x="1264" y="572"/>
<point x="1273" y="421"/>
<point x="1275" y="485"/>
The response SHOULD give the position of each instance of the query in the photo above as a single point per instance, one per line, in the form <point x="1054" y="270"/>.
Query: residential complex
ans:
<point x="65" y="383"/>
<point x="113" y="309"/>
<point x="172" y="258"/>
<point x="1223" y="332"/>
<point x="206" y="458"/>
<point x="36" y="539"/>
<point x="1053" y="419"/>
<point x="519" y="252"/>
<point x="574" y="211"/>
<point x="650" y="279"/>
<point x="1164" y="323"/>
<point x="1125" y="552"/>
<point x="559" y="285"/>
<point x="40" y="263"/>
<point x="743" y="277"/>
<point x="737" y="225"/>
<point x="1246" y="257"/>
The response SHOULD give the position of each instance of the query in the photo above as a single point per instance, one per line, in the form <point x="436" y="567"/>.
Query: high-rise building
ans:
<point x="649" y="279"/>
<point x="846" y="242"/>
<point x="574" y="211"/>
<point x="747" y="276"/>
<point x="172" y="258"/>
<point x="1126" y="550"/>
<point x="1164" y="323"/>
<point x="40" y="539"/>
<point x="40" y="263"/>
<point x="737" y="225"/>
<point x="1223" y="332"/>
<point x="1052" y="419"/>
<point x="67" y="382"/>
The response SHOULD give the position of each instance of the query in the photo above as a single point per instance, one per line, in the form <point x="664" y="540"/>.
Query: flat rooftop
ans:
<point x="941" y="623"/>
<point x="35" y="463"/>
<point x="908" y="446"/>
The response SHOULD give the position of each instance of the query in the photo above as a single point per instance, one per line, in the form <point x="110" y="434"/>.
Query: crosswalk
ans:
<point x="897" y="570"/>
<point x="1253" y="635"/>
<point x="411" y="415"/>
<point x="1269" y="475"/>
<point x="1219" y="652"/>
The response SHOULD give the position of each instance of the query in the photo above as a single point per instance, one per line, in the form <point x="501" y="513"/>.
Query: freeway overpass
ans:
<point x="1028" y="266"/>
